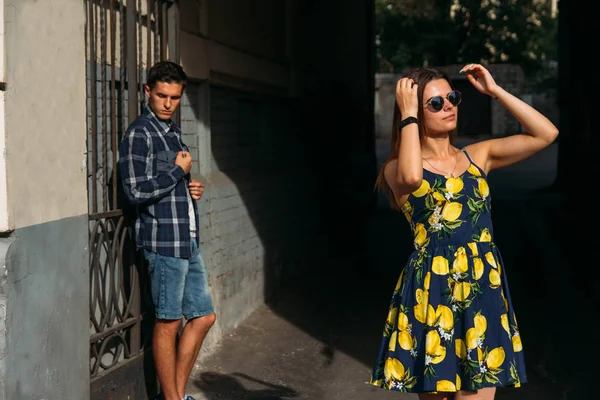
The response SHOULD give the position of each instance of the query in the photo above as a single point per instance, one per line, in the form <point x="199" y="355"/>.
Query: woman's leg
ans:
<point x="481" y="394"/>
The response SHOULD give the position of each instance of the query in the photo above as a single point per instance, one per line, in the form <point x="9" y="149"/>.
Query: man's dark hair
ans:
<point x="168" y="72"/>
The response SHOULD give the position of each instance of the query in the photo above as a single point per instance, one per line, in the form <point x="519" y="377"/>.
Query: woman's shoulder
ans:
<point x="476" y="150"/>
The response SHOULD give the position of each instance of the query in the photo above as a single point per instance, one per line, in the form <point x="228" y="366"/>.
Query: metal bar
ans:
<point x="107" y="214"/>
<point x="134" y="303"/>
<point x="141" y="56"/>
<point x="122" y="232"/>
<point x="103" y="99"/>
<point x="135" y="300"/>
<point x="172" y="40"/>
<point x="93" y="110"/>
<point x="148" y="35"/>
<point x="123" y="65"/>
<point x="120" y="326"/>
<point x="135" y="333"/>
<point x="98" y="242"/>
<point x="86" y="35"/>
<point x="111" y="273"/>
<point x="156" y="33"/>
<point x="173" y="33"/>
<point x="163" y="32"/>
<point x="122" y="68"/>
<point x="113" y="108"/>
<point x="131" y="62"/>
<point x="94" y="283"/>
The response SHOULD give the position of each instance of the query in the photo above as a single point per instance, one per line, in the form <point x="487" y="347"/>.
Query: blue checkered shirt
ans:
<point x="156" y="186"/>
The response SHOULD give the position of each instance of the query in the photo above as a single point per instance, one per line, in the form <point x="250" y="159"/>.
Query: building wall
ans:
<point x="578" y="83"/>
<point x="47" y="317"/>
<point x="46" y="329"/>
<point x="257" y="216"/>
<point x="45" y="73"/>
<point x="266" y="112"/>
<point x="576" y="87"/>
<point x="258" y="117"/>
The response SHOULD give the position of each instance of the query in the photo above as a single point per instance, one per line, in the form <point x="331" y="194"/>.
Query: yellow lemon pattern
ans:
<point x="451" y="323"/>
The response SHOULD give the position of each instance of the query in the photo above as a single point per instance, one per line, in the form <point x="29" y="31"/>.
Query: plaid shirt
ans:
<point x="156" y="185"/>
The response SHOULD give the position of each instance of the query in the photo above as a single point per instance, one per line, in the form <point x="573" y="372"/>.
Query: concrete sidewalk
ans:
<point x="320" y="339"/>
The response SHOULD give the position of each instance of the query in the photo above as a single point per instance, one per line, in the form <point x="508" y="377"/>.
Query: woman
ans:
<point x="451" y="331"/>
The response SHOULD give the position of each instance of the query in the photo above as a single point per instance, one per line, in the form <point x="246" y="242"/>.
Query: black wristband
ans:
<point x="406" y="121"/>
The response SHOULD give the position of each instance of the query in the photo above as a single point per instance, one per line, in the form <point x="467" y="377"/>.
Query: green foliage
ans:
<point x="412" y="33"/>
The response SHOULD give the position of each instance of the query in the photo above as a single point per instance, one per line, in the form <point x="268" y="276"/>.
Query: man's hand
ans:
<point x="196" y="189"/>
<point x="184" y="160"/>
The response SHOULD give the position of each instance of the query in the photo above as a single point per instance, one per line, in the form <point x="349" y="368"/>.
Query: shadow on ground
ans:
<point x="235" y="386"/>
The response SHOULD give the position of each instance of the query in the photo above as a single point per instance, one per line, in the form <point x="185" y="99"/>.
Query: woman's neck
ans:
<point x="437" y="148"/>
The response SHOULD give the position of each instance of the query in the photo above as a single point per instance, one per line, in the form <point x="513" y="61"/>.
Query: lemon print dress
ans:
<point x="451" y="323"/>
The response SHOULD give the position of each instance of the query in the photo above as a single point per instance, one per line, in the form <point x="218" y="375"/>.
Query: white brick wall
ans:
<point x="257" y="212"/>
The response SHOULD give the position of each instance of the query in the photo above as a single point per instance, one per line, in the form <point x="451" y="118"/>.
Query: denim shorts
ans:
<point x="179" y="286"/>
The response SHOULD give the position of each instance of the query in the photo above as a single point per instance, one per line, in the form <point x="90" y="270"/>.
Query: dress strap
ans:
<point x="467" y="154"/>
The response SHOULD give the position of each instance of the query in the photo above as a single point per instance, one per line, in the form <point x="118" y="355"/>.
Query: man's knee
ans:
<point x="204" y="322"/>
<point x="167" y="327"/>
<point x="208" y="320"/>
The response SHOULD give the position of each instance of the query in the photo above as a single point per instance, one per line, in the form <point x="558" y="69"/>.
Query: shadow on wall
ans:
<point x="294" y="170"/>
<point x="267" y="169"/>
<point x="306" y="186"/>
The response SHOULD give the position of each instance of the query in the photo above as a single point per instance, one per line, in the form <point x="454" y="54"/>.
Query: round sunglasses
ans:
<point x="437" y="102"/>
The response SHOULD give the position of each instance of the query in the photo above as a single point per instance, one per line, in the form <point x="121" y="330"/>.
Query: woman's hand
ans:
<point x="406" y="98"/>
<point x="481" y="79"/>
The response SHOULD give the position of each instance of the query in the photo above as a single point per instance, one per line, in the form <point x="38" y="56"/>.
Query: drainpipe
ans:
<point x="3" y="195"/>
<point x="5" y="238"/>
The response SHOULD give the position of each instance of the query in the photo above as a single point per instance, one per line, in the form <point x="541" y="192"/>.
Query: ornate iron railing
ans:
<point x="123" y="38"/>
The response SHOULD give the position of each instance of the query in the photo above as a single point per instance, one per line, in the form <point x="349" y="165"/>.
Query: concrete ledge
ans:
<point x="202" y="58"/>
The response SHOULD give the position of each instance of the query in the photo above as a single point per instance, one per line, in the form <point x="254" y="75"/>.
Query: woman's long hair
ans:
<point x="421" y="76"/>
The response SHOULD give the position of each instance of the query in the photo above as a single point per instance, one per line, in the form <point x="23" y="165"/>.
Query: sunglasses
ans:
<point x="437" y="102"/>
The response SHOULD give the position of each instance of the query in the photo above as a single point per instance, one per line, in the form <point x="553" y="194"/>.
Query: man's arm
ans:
<point x="140" y="181"/>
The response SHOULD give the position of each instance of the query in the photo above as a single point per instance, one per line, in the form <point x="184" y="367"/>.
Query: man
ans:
<point x="155" y="166"/>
